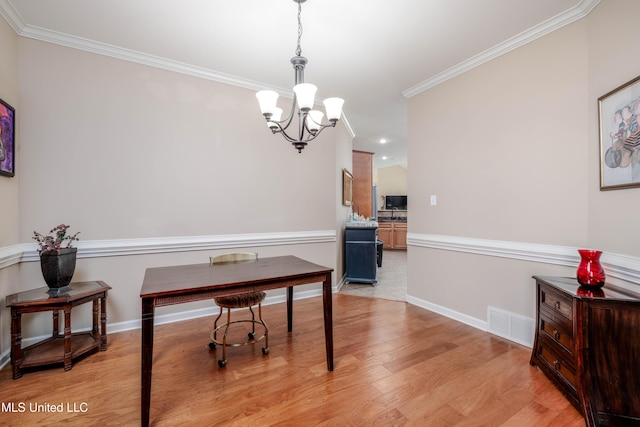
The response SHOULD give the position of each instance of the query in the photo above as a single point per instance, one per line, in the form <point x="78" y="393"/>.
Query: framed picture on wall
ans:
<point x="7" y="139"/>
<point x="347" y="187"/>
<point x="619" y="112"/>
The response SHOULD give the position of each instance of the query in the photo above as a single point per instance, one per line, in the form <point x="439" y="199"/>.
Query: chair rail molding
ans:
<point x="27" y="252"/>
<point x="620" y="266"/>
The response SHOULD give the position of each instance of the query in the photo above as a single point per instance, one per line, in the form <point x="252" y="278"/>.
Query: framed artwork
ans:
<point x="619" y="112"/>
<point x="347" y="188"/>
<point x="7" y="139"/>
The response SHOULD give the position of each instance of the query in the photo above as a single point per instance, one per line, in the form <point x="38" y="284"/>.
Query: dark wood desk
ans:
<point x="164" y="286"/>
<point x="58" y="348"/>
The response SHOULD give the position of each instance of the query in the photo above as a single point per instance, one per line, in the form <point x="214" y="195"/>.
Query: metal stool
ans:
<point x="247" y="300"/>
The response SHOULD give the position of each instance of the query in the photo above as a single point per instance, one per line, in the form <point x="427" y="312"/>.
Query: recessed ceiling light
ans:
<point x="383" y="141"/>
<point x="384" y="157"/>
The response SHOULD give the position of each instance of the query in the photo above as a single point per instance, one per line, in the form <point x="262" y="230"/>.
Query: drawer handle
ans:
<point x="558" y="305"/>
<point x="556" y="335"/>
<point x="557" y="364"/>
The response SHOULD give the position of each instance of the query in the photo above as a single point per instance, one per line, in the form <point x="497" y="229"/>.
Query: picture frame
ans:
<point x="347" y="188"/>
<point x="619" y="120"/>
<point x="7" y="139"/>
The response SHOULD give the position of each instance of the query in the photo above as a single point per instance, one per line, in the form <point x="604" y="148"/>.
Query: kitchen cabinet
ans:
<point x="363" y="183"/>
<point x="393" y="234"/>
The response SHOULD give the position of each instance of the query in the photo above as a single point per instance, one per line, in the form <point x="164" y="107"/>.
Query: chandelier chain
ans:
<point x="299" y="49"/>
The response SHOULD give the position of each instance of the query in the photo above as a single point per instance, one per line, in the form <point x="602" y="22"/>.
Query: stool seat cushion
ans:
<point x="241" y="301"/>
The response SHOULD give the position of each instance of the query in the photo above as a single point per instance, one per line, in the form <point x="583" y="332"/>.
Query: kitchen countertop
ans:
<point x="362" y="224"/>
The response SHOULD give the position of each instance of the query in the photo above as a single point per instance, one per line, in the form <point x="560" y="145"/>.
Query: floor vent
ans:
<point x="511" y="326"/>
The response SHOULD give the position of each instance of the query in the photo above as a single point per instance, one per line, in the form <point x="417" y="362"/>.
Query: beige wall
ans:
<point x="9" y="94"/>
<point x="9" y="187"/>
<point x="391" y="180"/>
<point x="123" y="151"/>
<point x="511" y="150"/>
<point x="612" y="218"/>
<point x="344" y="160"/>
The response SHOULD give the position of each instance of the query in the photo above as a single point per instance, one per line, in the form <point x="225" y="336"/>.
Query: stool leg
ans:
<point x="212" y="344"/>
<point x="265" y="349"/>
<point x="252" y="334"/>
<point x="223" y="362"/>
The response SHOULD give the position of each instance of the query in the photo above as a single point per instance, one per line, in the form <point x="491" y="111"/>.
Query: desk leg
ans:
<point x="289" y="308"/>
<point x="148" y="307"/>
<point x="327" y="303"/>
<point x="16" y="343"/>
<point x="67" y="337"/>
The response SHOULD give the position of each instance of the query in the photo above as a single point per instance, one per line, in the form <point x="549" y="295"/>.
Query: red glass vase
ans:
<point x="590" y="272"/>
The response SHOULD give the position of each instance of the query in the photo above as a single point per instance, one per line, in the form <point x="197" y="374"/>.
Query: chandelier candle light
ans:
<point x="309" y="121"/>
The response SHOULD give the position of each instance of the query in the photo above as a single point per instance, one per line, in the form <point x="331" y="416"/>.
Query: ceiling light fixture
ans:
<point x="309" y="121"/>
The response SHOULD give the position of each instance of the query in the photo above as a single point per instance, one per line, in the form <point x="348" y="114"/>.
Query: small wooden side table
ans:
<point x="58" y="348"/>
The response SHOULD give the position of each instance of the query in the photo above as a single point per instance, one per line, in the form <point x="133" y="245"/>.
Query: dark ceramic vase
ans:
<point x="58" y="267"/>
<point x="590" y="272"/>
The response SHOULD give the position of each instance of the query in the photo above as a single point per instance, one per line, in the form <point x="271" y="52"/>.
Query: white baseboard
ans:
<point x="163" y="319"/>
<point x="447" y="312"/>
<point x="511" y="326"/>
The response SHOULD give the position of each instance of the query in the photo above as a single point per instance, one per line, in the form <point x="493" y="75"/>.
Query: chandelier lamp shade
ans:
<point x="309" y="120"/>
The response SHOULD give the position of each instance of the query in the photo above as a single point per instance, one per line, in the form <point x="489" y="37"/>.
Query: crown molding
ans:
<point x="577" y="12"/>
<point x="11" y="15"/>
<point x="16" y="22"/>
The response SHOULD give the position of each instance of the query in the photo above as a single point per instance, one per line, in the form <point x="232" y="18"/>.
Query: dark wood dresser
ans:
<point x="588" y="343"/>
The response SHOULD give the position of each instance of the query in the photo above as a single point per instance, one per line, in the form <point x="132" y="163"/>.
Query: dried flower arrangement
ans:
<point x="55" y="239"/>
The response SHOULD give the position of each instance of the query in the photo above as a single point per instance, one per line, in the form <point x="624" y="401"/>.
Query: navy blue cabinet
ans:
<point x="361" y="254"/>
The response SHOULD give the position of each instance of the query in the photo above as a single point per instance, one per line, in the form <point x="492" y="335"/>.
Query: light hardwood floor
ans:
<point x="395" y="365"/>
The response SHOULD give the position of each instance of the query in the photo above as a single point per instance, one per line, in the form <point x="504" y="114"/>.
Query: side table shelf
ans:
<point x="59" y="348"/>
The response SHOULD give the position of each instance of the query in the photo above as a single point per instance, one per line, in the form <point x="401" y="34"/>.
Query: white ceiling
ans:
<point x="373" y="53"/>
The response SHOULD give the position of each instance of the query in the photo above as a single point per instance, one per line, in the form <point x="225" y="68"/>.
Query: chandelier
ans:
<point x="309" y="121"/>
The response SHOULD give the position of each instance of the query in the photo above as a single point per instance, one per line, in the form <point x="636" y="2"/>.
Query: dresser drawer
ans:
<point x="556" y="302"/>
<point x="557" y="365"/>
<point x="558" y="333"/>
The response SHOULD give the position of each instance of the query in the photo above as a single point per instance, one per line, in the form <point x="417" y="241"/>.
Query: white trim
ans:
<point x="447" y="312"/>
<point x="622" y="267"/>
<point x="513" y="327"/>
<point x="579" y="11"/>
<point x="11" y="255"/>
<point x="154" y="245"/>
<point x="11" y="15"/>
<point x="16" y="22"/>
<point x="129" y="325"/>
<point x="26" y="252"/>
<point x="549" y="254"/>
<point x="204" y="312"/>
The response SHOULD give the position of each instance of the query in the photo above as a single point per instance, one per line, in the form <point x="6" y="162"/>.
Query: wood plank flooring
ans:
<point x="395" y="365"/>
